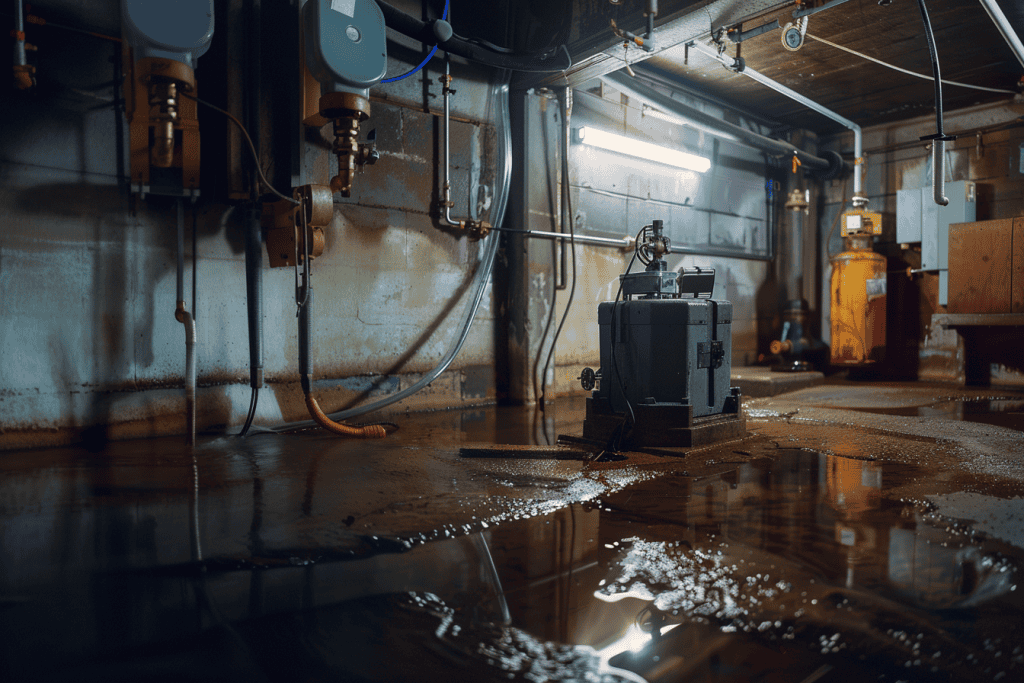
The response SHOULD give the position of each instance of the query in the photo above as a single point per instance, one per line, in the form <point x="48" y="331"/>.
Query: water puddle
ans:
<point x="1007" y="413"/>
<point x="801" y="568"/>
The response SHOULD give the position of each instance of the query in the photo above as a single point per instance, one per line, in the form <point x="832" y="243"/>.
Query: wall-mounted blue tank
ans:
<point x="346" y="43"/>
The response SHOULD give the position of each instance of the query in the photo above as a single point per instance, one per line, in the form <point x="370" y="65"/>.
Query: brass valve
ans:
<point x="347" y="110"/>
<point x="163" y="114"/>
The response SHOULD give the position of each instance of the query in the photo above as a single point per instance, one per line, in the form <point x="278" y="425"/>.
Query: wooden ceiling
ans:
<point x="971" y="50"/>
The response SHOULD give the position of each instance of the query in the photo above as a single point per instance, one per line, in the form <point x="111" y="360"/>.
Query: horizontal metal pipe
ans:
<point x="627" y="243"/>
<point x="711" y="124"/>
<point x="619" y="242"/>
<point x="1009" y="35"/>
<point x="858" y="139"/>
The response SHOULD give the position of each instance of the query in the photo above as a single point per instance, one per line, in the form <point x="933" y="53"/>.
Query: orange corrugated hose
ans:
<point x="367" y="432"/>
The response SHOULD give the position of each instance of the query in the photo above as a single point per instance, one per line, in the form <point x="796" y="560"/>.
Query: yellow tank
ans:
<point x="858" y="304"/>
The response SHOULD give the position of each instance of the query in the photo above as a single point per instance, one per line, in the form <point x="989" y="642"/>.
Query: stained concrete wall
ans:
<point x="897" y="159"/>
<point x="721" y="216"/>
<point x="89" y="343"/>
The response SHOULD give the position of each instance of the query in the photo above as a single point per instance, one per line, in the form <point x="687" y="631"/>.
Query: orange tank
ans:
<point x="858" y="304"/>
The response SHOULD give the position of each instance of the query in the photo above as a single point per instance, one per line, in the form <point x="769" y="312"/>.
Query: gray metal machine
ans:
<point x="665" y="358"/>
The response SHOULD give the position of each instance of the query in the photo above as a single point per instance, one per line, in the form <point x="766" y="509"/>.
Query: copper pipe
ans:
<point x="367" y="432"/>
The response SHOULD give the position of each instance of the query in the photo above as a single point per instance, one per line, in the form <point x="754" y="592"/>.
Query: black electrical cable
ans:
<point x="541" y="390"/>
<point x="939" y="135"/>
<point x="253" y="397"/>
<point x="572" y="243"/>
<point x="617" y="436"/>
<point x="475" y="51"/>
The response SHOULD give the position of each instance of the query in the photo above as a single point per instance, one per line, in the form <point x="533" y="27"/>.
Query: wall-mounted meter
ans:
<point x="861" y="222"/>
<point x="346" y="43"/>
<point x="162" y="41"/>
<point x="346" y="51"/>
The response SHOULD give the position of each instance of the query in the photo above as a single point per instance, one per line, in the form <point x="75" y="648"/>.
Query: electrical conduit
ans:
<point x="858" y="140"/>
<point x="715" y="126"/>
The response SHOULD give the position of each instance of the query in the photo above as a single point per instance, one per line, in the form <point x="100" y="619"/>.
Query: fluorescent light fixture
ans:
<point x="643" y="150"/>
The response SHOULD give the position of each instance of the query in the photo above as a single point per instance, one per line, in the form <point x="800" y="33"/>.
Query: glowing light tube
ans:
<point x="643" y="150"/>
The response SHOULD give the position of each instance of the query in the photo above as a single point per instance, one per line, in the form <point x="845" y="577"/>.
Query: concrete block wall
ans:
<point x="89" y="345"/>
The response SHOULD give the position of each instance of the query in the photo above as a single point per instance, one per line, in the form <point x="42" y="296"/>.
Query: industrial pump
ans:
<point x="665" y="358"/>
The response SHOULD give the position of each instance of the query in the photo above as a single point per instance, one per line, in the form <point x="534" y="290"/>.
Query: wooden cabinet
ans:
<point x="986" y="266"/>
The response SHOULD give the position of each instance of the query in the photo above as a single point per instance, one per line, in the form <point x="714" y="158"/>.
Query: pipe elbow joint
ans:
<point x="180" y="314"/>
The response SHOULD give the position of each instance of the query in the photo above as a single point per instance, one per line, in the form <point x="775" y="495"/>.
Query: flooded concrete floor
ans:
<point x="860" y="532"/>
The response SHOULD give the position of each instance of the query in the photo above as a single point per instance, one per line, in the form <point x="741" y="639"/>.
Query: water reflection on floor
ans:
<point x="801" y="567"/>
<point x="1001" y="412"/>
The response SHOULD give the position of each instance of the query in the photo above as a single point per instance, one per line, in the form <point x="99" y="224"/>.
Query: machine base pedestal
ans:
<point x="664" y="424"/>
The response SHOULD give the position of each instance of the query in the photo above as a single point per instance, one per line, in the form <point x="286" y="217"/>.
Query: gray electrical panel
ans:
<point x="920" y="219"/>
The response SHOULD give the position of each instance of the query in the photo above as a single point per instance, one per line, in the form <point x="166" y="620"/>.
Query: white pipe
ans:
<point x="1009" y="35"/>
<point x="858" y="140"/>
<point x="186" y="319"/>
<point x="939" y="172"/>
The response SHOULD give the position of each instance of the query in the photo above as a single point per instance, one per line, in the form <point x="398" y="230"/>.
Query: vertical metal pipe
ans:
<point x="19" y="44"/>
<point x="939" y="172"/>
<point x="185" y="318"/>
<point x="447" y="124"/>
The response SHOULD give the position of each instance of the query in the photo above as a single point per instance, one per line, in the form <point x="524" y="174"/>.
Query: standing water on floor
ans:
<point x="804" y="567"/>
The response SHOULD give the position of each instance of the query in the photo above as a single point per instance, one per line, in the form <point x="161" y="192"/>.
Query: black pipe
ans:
<point x="930" y="39"/>
<point x="254" y="294"/>
<point x="253" y="223"/>
<point x="435" y="33"/>
<point x="305" y="341"/>
<point x="181" y="251"/>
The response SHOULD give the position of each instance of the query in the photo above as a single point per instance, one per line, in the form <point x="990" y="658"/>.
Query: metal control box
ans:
<point x="920" y="219"/>
<point x="665" y="358"/>
<point x="666" y="351"/>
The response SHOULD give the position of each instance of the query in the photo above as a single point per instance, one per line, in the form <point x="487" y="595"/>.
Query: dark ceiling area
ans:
<point x="970" y="48"/>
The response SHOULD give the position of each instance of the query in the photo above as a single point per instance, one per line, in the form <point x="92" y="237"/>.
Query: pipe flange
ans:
<point x="344" y="105"/>
<point x="318" y="203"/>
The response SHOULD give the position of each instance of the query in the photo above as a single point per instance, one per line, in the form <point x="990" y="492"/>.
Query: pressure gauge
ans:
<point x="792" y="39"/>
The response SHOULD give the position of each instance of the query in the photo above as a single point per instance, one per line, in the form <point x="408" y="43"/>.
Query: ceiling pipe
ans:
<point x="858" y="140"/>
<point x="715" y="126"/>
<point x="1009" y="35"/>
